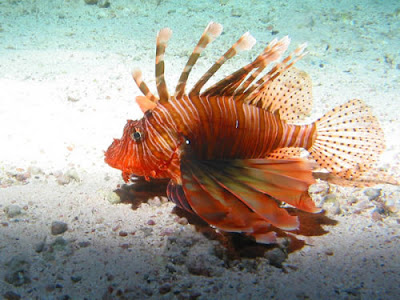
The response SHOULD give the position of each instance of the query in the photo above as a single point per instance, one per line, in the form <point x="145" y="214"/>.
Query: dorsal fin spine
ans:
<point x="245" y="42"/>
<point x="162" y="39"/>
<point x="137" y="77"/>
<point x="212" y="31"/>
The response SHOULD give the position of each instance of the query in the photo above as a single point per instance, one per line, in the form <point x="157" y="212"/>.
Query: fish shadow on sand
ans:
<point x="240" y="245"/>
<point x="237" y="245"/>
<point x="140" y="191"/>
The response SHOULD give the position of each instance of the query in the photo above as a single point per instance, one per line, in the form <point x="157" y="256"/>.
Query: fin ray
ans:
<point x="137" y="77"/>
<point x="245" y="42"/>
<point x="285" y="180"/>
<point x="249" y="183"/>
<point x="212" y="31"/>
<point x="162" y="39"/>
<point x="216" y="205"/>
<point x="348" y="140"/>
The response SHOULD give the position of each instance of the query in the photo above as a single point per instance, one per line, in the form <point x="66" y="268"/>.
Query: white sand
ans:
<point x="66" y="91"/>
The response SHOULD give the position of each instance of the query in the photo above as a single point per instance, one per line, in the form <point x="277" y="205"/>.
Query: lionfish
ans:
<point x="234" y="152"/>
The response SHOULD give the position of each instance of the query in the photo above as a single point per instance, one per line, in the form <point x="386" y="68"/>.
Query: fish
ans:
<point x="238" y="153"/>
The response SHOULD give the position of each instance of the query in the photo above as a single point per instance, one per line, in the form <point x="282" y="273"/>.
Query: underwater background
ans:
<point x="66" y="90"/>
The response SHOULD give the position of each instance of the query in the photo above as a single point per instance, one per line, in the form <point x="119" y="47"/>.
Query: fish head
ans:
<point x="125" y="153"/>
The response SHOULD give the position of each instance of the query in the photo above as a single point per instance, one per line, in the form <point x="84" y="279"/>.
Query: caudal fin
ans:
<point x="348" y="140"/>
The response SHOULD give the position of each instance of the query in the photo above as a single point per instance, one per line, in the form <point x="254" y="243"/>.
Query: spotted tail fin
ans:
<point x="348" y="140"/>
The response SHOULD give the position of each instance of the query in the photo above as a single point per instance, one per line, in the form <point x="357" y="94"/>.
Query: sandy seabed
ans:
<point x="66" y="91"/>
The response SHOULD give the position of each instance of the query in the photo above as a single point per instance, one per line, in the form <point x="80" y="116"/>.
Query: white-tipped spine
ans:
<point x="247" y="41"/>
<point x="137" y="74"/>
<point x="272" y="43"/>
<point x="213" y="30"/>
<point x="164" y="35"/>
<point x="300" y="50"/>
<point x="284" y="44"/>
<point x="276" y="49"/>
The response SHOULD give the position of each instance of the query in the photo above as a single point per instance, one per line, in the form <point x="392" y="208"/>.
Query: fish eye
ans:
<point x="136" y="135"/>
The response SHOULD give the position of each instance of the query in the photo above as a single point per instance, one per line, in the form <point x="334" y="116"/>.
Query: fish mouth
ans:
<point x="112" y="154"/>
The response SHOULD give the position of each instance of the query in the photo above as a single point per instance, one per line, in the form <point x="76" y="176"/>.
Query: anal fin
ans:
<point x="285" y="153"/>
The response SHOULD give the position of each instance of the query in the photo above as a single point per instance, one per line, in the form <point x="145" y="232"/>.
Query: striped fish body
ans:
<point x="232" y="152"/>
<point x="222" y="128"/>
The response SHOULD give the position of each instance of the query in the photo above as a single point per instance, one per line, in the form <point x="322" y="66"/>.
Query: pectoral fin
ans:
<point x="250" y="185"/>
<point x="241" y="195"/>
<point x="211" y="177"/>
<point x="286" y="180"/>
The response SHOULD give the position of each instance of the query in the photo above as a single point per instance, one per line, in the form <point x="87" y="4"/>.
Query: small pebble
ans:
<point x="73" y="175"/>
<point x="59" y="243"/>
<point x="17" y="271"/>
<point x="376" y="216"/>
<point x="194" y="294"/>
<point x="67" y="177"/>
<point x="236" y="13"/>
<point x="39" y="247"/>
<point x="123" y="233"/>
<point x="372" y="193"/>
<point x="12" y="210"/>
<point x="116" y="227"/>
<point x="35" y="170"/>
<point x="332" y="205"/>
<point x="170" y="267"/>
<point x="76" y="278"/>
<point x="58" y="227"/>
<point x="151" y="222"/>
<point x="355" y="292"/>
<point x="10" y="295"/>
<point x="72" y="98"/>
<point x="352" y="200"/>
<point x="183" y="221"/>
<point x="84" y="244"/>
<point x="103" y="3"/>
<point x="63" y="180"/>
<point x="330" y="198"/>
<point x="113" y="198"/>
<point x="156" y="201"/>
<point x="276" y="257"/>
<point x="126" y="246"/>
<point x="23" y="176"/>
<point x="167" y="232"/>
<point x="203" y="265"/>
<point x="321" y="187"/>
<point x="50" y="287"/>
<point x="165" y="288"/>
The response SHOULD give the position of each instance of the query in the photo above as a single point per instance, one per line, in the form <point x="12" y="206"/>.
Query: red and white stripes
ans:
<point x="222" y="128"/>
